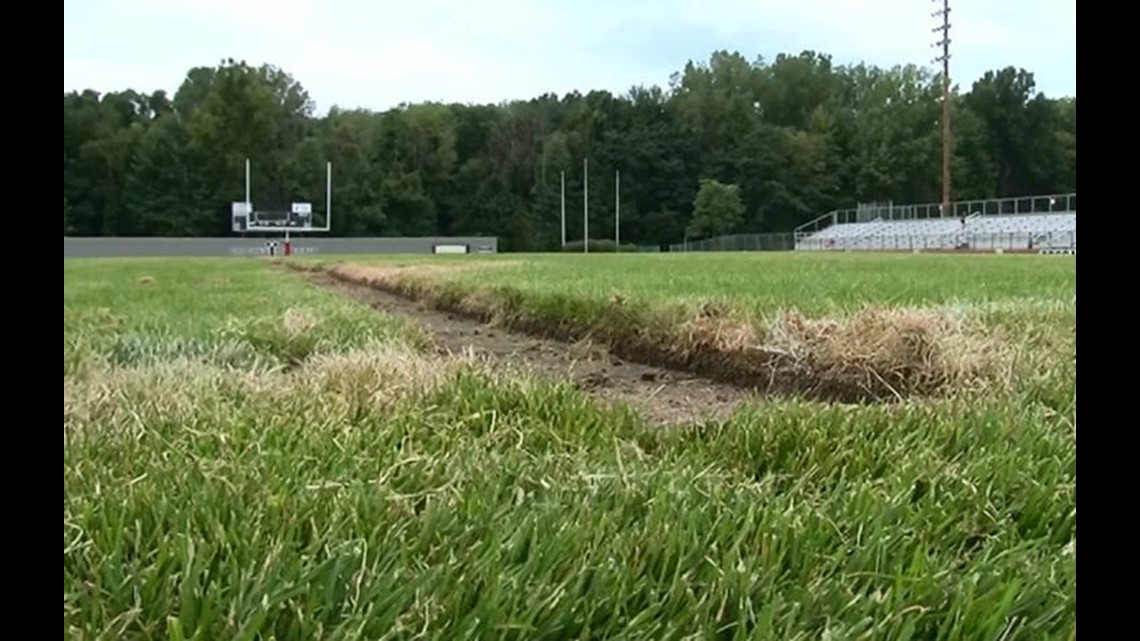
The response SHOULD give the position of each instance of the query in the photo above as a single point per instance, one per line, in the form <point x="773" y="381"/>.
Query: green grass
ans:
<point x="814" y="282"/>
<point x="235" y="312"/>
<point x="350" y="486"/>
<point x="1019" y="311"/>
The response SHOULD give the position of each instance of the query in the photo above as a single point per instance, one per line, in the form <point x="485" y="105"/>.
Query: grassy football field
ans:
<point x="249" y="454"/>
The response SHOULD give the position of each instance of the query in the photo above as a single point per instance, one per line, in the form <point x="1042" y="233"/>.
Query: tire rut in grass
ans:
<point x="662" y="396"/>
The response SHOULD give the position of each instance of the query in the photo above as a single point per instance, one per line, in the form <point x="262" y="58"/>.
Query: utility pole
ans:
<point x="563" y="178"/>
<point x="944" y="43"/>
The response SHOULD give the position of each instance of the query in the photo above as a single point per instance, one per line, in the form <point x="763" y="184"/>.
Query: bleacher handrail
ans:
<point x="1044" y="204"/>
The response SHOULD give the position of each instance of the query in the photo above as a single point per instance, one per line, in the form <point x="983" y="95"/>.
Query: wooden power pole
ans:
<point x="944" y="43"/>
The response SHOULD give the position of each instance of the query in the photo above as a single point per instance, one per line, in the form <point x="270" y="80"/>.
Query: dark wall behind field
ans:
<point x="123" y="247"/>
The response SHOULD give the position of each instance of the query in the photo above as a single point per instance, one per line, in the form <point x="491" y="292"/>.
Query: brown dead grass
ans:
<point x="391" y="274"/>
<point x="882" y="353"/>
<point x="873" y="355"/>
<point x="876" y="354"/>
<point x="183" y="391"/>
<point x="298" y="321"/>
<point x="377" y="376"/>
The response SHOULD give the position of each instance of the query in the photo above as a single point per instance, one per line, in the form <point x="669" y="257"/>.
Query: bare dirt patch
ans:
<point x="660" y="395"/>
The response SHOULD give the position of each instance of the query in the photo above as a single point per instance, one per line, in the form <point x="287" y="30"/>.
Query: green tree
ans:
<point x="793" y="138"/>
<point x="717" y="209"/>
<point x="1020" y="132"/>
<point x="164" y="192"/>
<point x="350" y="141"/>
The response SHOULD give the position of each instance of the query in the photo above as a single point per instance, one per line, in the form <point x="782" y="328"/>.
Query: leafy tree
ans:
<point x="1020" y="132"/>
<point x="716" y="209"/>
<point x="164" y="192"/>
<point x="790" y="139"/>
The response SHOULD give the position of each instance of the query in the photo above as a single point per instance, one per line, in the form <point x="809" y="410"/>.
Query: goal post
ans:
<point x="298" y="218"/>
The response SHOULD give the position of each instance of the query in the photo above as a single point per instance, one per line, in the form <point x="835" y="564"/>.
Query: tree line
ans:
<point x="778" y="143"/>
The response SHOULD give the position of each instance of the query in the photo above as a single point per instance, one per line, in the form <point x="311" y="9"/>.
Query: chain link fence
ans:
<point x="739" y="243"/>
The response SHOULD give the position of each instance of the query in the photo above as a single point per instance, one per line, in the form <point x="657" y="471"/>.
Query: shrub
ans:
<point x="599" y="246"/>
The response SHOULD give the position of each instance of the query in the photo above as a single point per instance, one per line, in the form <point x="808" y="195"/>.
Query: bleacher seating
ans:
<point x="1042" y="231"/>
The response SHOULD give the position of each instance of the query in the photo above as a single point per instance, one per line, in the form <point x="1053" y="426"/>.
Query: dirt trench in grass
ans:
<point x="662" y="396"/>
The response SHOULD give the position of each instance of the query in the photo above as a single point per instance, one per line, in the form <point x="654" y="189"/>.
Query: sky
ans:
<point x="380" y="53"/>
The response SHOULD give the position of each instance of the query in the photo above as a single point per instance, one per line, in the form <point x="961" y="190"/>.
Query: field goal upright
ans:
<point x="298" y="218"/>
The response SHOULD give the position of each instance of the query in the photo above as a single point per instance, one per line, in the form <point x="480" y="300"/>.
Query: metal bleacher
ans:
<point x="1047" y="224"/>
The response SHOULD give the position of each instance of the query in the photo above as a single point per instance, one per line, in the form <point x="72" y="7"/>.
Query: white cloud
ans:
<point x="372" y="54"/>
<point x="275" y="17"/>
